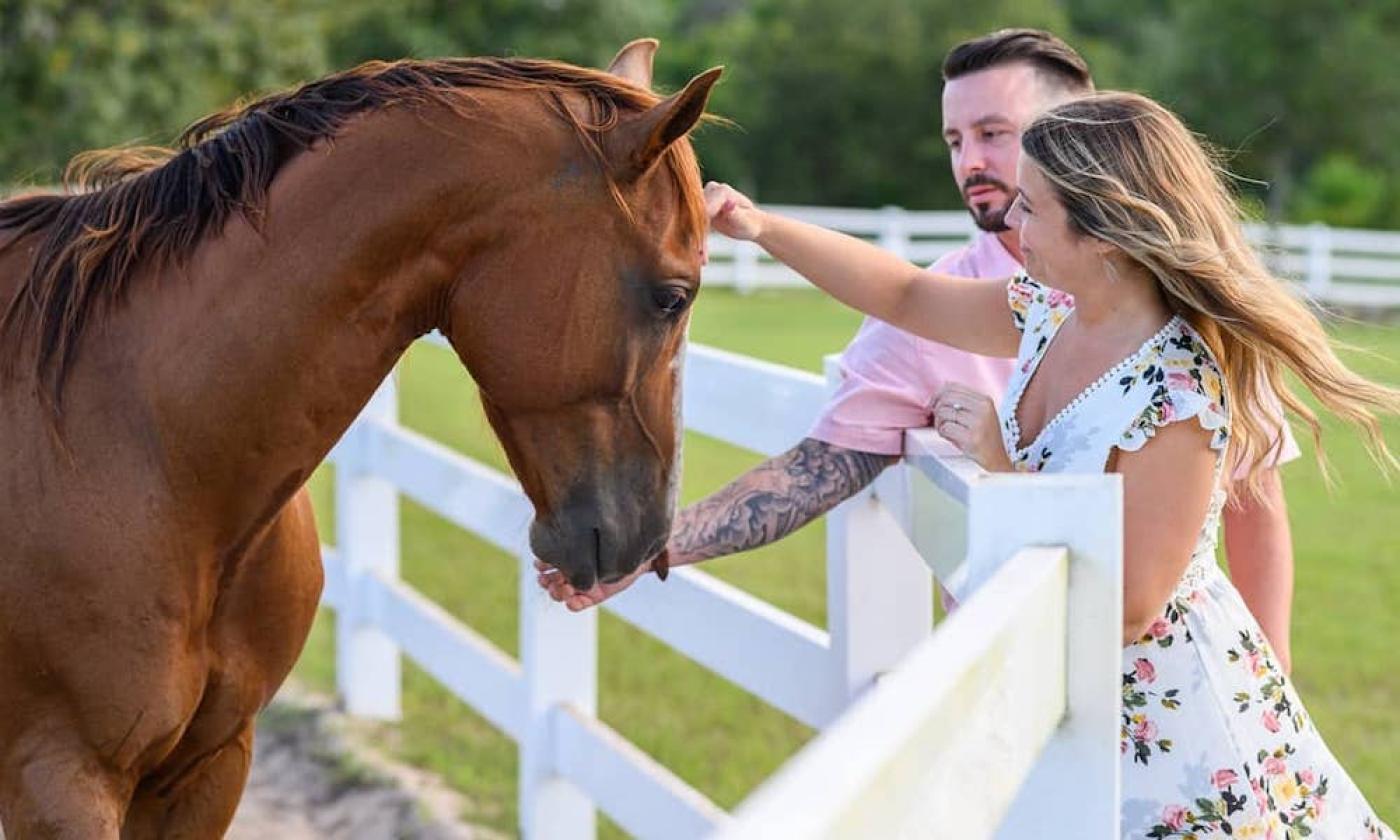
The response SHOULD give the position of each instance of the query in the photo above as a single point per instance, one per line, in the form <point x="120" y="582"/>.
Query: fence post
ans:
<point x="894" y="231"/>
<point x="1319" y="260"/>
<point x="367" y="540"/>
<point x="746" y="256"/>
<point x="1077" y="780"/>
<point x="879" y="592"/>
<point x="559" y="660"/>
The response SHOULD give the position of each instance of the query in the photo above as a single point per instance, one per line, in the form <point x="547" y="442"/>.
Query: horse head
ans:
<point x="572" y="321"/>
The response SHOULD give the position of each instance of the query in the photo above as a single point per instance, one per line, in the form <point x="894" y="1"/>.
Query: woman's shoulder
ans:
<point x="1033" y="302"/>
<point x="1183" y="381"/>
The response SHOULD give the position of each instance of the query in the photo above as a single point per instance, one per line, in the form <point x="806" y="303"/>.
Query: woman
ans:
<point x="1149" y="344"/>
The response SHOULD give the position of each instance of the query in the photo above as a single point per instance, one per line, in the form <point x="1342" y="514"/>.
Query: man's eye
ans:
<point x="670" y="300"/>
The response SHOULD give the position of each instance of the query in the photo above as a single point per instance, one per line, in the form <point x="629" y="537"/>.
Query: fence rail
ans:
<point x="963" y="720"/>
<point x="1333" y="266"/>
<point x="935" y="511"/>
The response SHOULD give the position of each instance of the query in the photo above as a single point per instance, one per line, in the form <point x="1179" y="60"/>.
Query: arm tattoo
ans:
<point x="773" y="499"/>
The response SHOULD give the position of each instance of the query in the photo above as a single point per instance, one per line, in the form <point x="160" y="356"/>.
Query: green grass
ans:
<point x="723" y="741"/>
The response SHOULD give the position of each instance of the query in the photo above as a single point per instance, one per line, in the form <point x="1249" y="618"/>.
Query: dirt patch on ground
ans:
<point x="316" y="774"/>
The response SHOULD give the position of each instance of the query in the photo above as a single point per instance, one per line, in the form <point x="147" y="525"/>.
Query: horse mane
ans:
<point x="126" y="207"/>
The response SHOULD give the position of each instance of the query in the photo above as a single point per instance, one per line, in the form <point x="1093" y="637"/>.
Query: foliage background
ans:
<point x="837" y="102"/>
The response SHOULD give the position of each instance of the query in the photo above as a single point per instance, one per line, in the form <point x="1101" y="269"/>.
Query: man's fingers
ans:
<point x="558" y="588"/>
<point x="549" y="580"/>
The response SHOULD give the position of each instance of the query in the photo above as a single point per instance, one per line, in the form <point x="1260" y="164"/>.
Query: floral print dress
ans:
<point x="1215" y="742"/>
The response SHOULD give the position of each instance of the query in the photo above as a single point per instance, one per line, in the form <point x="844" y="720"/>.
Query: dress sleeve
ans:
<point x="1025" y="297"/>
<point x="1189" y="385"/>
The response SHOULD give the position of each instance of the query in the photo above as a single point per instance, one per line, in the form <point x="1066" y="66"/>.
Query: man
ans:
<point x="993" y="87"/>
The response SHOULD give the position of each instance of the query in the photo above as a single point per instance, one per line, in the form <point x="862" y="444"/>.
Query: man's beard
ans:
<point x="989" y="218"/>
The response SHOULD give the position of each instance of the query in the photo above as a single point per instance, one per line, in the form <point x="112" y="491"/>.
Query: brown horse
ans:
<point x="188" y="334"/>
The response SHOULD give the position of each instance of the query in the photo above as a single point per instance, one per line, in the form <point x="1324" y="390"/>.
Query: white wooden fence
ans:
<point x="1345" y="267"/>
<point x="1018" y="691"/>
<point x="1334" y="266"/>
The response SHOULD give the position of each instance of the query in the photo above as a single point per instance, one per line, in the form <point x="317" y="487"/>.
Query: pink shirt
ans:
<point x="890" y="377"/>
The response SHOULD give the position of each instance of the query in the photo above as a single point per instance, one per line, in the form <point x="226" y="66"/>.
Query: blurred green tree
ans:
<point x="835" y="102"/>
<point x="584" y="32"/>
<point x="1282" y="85"/>
<point x="77" y="75"/>
<point x="838" y="103"/>
<point x="1339" y="191"/>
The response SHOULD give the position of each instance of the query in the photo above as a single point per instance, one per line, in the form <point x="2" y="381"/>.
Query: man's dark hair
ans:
<point x="1055" y="60"/>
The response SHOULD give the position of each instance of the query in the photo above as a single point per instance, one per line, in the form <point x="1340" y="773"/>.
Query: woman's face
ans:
<point x="1055" y="254"/>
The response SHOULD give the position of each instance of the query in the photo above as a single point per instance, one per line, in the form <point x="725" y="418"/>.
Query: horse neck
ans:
<point x="279" y="336"/>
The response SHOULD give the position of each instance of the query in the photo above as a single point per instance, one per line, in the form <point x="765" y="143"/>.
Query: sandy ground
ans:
<point x="316" y="774"/>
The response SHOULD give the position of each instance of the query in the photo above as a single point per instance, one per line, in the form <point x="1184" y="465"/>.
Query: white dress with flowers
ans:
<point x="1215" y="740"/>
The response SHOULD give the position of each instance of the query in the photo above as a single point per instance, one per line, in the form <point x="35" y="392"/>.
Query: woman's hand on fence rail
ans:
<point x="968" y="420"/>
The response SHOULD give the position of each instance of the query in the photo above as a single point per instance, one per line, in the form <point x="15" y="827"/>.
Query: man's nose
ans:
<point x="971" y="163"/>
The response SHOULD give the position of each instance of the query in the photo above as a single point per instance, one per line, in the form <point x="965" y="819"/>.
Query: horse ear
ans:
<point x="633" y="62"/>
<point x="635" y="145"/>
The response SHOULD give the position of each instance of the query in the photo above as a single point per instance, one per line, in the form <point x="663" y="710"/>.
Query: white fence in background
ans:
<point x="1007" y="715"/>
<point x="1335" y="266"/>
<point x="1344" y="267"/>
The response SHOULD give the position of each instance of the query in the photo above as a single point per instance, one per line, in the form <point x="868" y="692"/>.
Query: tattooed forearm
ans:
<point x="772" y="500"/>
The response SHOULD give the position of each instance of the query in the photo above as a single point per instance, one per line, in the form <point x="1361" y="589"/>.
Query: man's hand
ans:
<point x="764" y="504"/>
<point x="562" y="591"/>
<point x="969" y="421"/>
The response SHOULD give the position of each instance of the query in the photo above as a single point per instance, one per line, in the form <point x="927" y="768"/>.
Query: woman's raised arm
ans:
<point x="967" y="313"/>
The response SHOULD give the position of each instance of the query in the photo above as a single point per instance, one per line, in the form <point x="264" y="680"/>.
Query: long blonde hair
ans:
<point x="1129" y="172"/>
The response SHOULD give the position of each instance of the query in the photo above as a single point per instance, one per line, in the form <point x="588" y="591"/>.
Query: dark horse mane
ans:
<point x="125" y="207"/>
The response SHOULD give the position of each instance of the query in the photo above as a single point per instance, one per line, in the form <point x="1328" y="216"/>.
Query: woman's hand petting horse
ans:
<point x="732" y="213"/>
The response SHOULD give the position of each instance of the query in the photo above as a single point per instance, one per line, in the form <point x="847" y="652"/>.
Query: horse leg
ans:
<point x="203" y="804"/>
<point x="263" y="618"/>
<point x="54" y="792"/>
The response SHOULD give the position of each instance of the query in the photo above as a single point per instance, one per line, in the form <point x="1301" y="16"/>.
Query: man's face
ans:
<point x="983" y="116"/>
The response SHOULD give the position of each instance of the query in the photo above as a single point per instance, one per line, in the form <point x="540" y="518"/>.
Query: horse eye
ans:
<point x="670" y="300"/>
